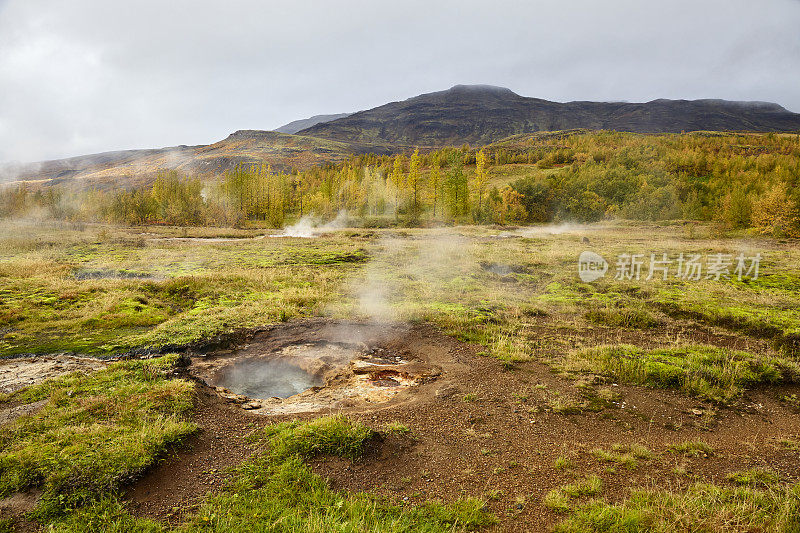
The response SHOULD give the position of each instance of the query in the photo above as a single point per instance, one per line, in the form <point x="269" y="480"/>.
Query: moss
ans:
<point x="706" y="372"/>
<point x="96" y="431"/>
<point x="703" y="507"/>
<point x="279" y="488"/>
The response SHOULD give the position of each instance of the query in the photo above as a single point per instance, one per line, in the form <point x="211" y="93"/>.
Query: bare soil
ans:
<point x="22" y="372"/>
<point x="483" y="429"/>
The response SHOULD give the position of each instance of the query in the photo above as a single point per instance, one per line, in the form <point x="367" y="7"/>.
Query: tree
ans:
<point x="397" y="179"/>
<point x="513" y="208"/>
<point x="456" y="185"/>
<point x="735" y="209"/>
<point x="538" y="198"/>
<point x="481" y="178"/>
<point x="414" y="182"/>
<point x="776" y="212"/>
<point x="434" y="180"/>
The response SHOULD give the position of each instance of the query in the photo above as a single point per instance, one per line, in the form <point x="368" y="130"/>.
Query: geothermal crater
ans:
<point x="302" y="368"/>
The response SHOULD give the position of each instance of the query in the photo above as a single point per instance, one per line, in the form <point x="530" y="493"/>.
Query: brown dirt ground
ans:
<point x="504" y="442"/>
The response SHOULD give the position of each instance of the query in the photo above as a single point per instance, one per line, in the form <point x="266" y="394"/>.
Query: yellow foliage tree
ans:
<point x="414" y="181"/>
<point x="481" y="176"/>
<point x="435" y="181"/>
<point x="398" y="181"/>
<point x="775" y="212"/>
<point x="513" y="208"/>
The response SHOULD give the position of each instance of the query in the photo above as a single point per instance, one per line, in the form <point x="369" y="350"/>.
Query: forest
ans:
<point x="737" y="181"/>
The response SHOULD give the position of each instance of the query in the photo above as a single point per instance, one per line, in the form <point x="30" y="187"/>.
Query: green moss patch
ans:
<point x="706" y="372"/>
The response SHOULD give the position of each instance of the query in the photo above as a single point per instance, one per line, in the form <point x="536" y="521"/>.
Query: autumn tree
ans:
<point x="776" y="212"/>
<point x="435" y="181"/>
<point x="414" y="182"/>
<point x="513" y="208"/>
<point x="456" y="186"/>
<point x="397" y="180"/>
<point x="481" y="178"/>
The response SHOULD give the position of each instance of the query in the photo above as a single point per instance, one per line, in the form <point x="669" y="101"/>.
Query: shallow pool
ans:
<point x="261" y="377"/>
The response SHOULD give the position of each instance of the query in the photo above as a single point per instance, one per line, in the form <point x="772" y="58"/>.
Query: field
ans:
<point x="626" y="404"/>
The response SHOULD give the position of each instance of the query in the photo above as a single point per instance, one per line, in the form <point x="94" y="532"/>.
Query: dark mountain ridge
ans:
<point x="479" y="114"/>
<point x="475" y="114"/>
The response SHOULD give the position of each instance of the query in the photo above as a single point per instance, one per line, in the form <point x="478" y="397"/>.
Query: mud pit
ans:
<point x="332" y="367"/>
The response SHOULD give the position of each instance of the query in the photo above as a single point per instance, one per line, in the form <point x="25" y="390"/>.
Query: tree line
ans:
<point x="735" y="180"/>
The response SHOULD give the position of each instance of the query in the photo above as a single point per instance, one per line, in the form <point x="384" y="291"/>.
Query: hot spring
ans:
<point x="264" y="378"/>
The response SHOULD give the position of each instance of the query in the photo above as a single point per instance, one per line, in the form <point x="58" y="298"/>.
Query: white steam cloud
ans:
<point x="310" y="226"/>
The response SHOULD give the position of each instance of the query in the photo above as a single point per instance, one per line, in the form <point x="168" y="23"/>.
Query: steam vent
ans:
<point x="316" y="366"/>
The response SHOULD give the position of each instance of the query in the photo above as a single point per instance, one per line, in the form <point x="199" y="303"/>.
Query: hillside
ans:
<point x="297" y="125"/>
<point x="139" y="167"/>
<point x="478" y="114"/>
<point x="463" y="114"/>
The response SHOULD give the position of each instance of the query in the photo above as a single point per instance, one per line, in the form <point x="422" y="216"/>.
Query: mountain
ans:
<point x="475" y="114"/>
<point x="480" y="114"/>
<point x="137" y="167"/>
<point x="297" y="125"/>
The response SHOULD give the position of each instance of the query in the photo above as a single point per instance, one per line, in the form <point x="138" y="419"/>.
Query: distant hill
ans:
<point x="480" y="114"/>
<point x="297" y="125"/>
<point x="136" y="167"/>
<point x="475" y="114"/>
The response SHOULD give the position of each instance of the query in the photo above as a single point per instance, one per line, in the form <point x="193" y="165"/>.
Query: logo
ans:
<point x="591" y="266"/>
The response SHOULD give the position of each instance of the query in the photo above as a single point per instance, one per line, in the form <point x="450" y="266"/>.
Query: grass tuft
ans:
<point x="560" y="499"/>
<point x="706" y="372"/>
<point x="753" y="476"/>
<point x="693" y="448"/>
<point x="703" y="507"/>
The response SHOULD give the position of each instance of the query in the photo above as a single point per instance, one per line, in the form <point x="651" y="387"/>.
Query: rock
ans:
<point x="253" y="404"/>
<point x="235" y="398"/>
<point x="445" y="392"/>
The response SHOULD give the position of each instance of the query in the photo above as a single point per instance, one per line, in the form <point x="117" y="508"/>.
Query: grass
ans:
<point x="193" y="291"/>
<point x="561" y="498"/>
<point x="95" y="432"/>
<point x="564" y="463"/>
<point x="693" y="448"/>
<point x="622" y="318"/>
<point x="765" y="308"/>
<point x="706" y="372"/>
<point x="623" y="455"/>
<point x="703" y="507"/>
<point x="754" y="477"/>
<point x="397" y="428"/>
<point x="277" y="491"/>
<point x="538" y="312"/>
<point x="278" y="488"/>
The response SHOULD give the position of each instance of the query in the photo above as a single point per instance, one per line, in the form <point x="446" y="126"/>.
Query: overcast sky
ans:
<point x="84" y="76"/>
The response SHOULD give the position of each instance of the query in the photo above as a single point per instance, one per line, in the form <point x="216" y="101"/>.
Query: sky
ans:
<point x="89" y="76"/>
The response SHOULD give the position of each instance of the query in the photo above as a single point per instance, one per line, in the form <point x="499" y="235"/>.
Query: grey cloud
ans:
<point x="91" y="75"/>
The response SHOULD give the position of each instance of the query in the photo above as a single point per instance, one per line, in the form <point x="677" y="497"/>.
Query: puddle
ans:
<point x="264" y="378"/>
